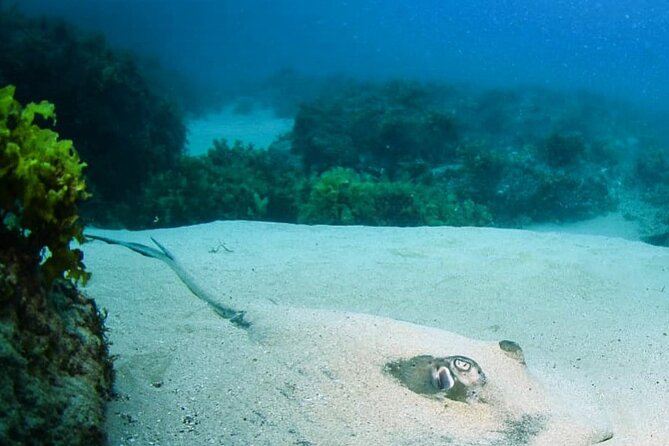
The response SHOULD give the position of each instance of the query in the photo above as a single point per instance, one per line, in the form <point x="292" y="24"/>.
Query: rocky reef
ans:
<point x="56" y="369"/>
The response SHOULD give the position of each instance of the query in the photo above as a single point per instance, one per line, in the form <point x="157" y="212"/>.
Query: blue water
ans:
<point x="616" y="47"/>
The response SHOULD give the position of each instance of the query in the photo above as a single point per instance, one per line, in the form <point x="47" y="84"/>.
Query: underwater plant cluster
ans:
<point x="404" y="153"/>
<point x="124" y="128"/>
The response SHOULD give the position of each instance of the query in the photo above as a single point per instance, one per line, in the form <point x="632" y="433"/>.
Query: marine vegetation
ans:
<point x="228" y="183"/>
<point x="523" y="162"/>
<point x="370" y="126"/>
<point x="341" y="196"/>
<point x="520" y="186"/>
<point x="56" y="370"/>
<point x="124" y="127"/>
<point x="406" y="154"/>
<point x="41" y="183"/>
<point x="241" y="182"/>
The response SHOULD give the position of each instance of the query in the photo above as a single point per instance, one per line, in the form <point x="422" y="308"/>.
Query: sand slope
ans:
<point x="259" y="127"/>
<point x="590" y="312"/>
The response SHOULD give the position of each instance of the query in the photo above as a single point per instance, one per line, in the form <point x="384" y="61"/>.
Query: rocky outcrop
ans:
<point x="56" y="372"/>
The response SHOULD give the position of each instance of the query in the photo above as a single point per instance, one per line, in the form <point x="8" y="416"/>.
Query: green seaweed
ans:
<point x="341" y="196"/>
<point x="41" y="183"/>
<point x="230" y="182"/>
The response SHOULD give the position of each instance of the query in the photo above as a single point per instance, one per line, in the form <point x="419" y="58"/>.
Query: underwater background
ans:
<point x="612" y="47"/>
<point x="401" y="113"/>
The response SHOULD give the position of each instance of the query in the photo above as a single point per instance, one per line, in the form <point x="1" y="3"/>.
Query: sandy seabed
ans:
<point x="259" y="127"/>
<point x="331" y="304"/>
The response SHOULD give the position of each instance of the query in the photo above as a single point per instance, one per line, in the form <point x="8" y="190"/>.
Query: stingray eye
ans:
<point x="462" y="365"/>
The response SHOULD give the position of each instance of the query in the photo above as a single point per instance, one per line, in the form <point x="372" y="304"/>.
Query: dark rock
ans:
<point x="56" y="370"/>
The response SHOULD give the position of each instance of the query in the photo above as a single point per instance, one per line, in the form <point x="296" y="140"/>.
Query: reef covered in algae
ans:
<point x="56" y="369"/>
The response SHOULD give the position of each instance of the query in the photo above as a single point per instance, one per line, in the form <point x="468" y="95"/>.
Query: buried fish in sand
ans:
<point x="376" y="380"/>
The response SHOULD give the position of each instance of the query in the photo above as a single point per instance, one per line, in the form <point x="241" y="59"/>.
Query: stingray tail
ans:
<point x="144" y="250"/>
<point x="236" y="317"/>
<point x="162" y="248"/>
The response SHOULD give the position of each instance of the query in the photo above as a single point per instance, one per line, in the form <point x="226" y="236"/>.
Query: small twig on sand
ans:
<point x="217" y="249"/>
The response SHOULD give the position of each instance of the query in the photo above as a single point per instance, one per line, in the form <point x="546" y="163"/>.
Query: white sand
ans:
<point x="259" y="127"/>
<point x="592" y="314"/>
<point x="613" y="224"/>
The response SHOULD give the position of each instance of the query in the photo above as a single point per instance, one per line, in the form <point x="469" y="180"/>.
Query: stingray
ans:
<point x="375" y="380"/>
